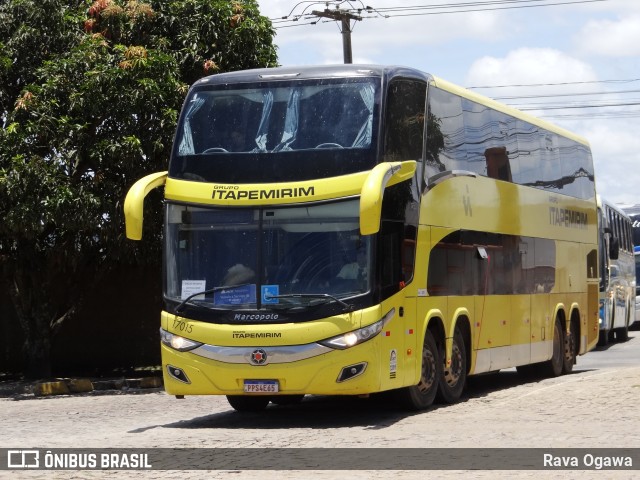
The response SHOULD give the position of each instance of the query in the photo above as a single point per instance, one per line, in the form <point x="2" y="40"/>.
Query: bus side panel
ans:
<point x="541" y="331"/>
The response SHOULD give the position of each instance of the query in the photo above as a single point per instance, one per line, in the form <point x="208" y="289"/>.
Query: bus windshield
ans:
<point x="266" y="119"/>
<point x="265" y="257"/>
<point x="301" y="130"/>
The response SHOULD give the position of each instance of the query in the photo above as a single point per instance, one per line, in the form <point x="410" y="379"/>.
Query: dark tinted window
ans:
<point x="465" y="135"/>
<point x="404" y="127"/>
<point x="477" y="263"/>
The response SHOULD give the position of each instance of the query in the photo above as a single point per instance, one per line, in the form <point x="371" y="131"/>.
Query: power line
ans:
<point x="368" y="12"/>
<point x="630" y="80"/>
<point x="529" y="107"/>
<point x="552" y="95"/>
<point x="345" y="12"/>
<point x="485" y="8"/>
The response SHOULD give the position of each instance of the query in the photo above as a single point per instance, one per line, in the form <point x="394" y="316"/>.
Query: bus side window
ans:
<point x="403" y="138"/>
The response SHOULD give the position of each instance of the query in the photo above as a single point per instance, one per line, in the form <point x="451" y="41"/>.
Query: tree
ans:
<point x="96" y="110"/>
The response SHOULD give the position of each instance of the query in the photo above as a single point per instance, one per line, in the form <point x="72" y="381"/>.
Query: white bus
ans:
<point x="634" y="213"/>
<point x="617" y="277"/>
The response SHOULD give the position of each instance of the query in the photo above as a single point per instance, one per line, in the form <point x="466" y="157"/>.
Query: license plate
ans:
<point x="261" y="386"/>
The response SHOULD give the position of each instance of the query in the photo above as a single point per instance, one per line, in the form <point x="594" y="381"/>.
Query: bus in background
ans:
<point x="636" y="255"/>
<point x="634" y="213"/>
<point x="352" y="229"/>
<point x="617" y="273"/>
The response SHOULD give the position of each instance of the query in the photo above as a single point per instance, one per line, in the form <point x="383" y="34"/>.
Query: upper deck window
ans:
<point x="278" y="119"/>
<point x="329" y="121"/>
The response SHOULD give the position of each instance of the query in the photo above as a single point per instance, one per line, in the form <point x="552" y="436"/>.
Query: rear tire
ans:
<point x="243" y="403"/>
<point x="570" y="350"/>
<point x="454" y="377"/>
<point x="554" y="366"/>
<point x="421" y="396"/>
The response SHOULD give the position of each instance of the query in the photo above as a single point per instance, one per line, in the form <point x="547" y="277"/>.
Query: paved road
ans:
<point x="596" y="406"/>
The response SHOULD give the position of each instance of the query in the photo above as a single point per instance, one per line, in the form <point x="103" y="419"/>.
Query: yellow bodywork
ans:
<point x="505" y="330"/>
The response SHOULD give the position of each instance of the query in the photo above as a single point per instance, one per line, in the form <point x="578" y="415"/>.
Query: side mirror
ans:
<point x="134" y="202"/>
<point x="383" y="175"/>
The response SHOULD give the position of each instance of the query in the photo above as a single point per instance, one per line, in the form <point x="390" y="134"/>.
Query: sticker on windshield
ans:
<point x="189" y="287"/>
<point x="268" y="292"/>
<point x="240" y="295"/>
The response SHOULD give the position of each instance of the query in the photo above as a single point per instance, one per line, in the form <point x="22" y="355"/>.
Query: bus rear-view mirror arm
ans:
<point x="442" y="176"/>
<point x="134" y="202"/>
<point x="382" y="176"/>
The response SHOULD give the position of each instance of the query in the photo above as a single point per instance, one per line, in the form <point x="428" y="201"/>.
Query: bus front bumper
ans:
<point x="326" y="372"/>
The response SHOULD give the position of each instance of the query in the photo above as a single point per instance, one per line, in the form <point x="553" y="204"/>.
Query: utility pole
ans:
<point x="345" y="18"/>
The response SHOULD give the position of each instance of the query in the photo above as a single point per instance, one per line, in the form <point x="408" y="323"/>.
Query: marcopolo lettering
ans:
<point x="256" y="316"/>
<point x="233" y="192"/>
<point x="564" y="217"/>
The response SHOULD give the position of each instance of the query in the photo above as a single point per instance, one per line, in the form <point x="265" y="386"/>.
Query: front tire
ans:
<point x="244" y="403"/>
<point x="421" y="396"/>
<point x="454" y="376"/>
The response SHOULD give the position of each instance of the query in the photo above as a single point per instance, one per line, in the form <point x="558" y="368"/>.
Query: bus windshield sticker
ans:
<point x="268" y="294"/>
<point x="189" y="287"/>
<point x="236" y="295"/>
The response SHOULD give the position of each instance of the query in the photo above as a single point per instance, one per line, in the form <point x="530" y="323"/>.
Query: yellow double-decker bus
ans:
<point x="354" y="229"/>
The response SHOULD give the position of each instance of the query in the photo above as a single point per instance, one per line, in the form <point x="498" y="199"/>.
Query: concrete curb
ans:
<point x="69" y="386"/>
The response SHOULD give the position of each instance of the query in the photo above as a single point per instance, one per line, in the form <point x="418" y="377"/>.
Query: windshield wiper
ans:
<point x="325" y="296"/>
<point x="206" y="292"/>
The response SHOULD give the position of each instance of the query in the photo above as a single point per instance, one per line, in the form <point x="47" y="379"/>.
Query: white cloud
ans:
<point x="613" y="38"/>
<point x="614" y="146"/>
<point x="612" y="141"/>
<point x="376" y="39"/>
<point x="526" y="66"/>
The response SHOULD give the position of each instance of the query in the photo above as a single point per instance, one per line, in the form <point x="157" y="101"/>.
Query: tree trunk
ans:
<point x="37" y="356"/>
<point x="36" y="349"/>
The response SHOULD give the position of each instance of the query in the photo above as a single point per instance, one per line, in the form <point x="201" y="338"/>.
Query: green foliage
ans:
<point x="31" y="31"/>
<point x="216" y="36"/>
<point x="89" y="98"/>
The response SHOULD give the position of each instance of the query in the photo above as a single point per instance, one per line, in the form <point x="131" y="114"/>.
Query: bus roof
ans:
<point x="313" y="71"/>
<point x="387" y="71"/>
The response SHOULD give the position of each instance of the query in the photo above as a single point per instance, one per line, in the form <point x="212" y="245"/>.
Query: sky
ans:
<point x="560" y="60"/>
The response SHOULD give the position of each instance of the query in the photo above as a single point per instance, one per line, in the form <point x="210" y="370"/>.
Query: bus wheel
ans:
<point x="603" y="338"/>
<point x="554" y="366"/>
<point x="622" y="334"/>
<point x="243" y="403"/>
<point x="421" y="396"/>
<point x="570" y="343"/>
<point x="454" y="376"/>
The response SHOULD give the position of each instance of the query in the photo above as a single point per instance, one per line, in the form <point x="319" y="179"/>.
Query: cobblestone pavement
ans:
<point x="593" y="408"/>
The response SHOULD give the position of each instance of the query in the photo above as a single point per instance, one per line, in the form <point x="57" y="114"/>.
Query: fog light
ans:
<point x="178" y="374"/>
<point x="351" y="371"/>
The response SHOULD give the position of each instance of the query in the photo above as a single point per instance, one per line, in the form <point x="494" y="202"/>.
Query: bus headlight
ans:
<point x="177" y="342"/>
<point x="356" y="337"/>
